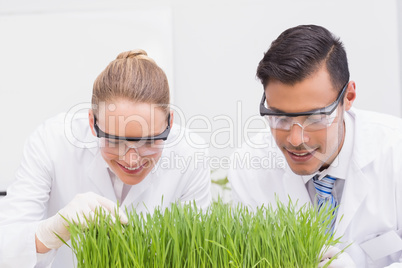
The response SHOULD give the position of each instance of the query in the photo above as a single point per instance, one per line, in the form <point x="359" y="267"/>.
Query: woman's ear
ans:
<point x="91" y="121"/>
<point x="171" y="118"/>
<point x="350" y="95"/>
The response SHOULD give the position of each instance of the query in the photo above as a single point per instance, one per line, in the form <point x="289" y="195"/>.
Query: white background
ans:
<point x="51" y="52"/>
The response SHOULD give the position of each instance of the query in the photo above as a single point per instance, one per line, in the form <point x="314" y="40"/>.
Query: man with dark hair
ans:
<point x="326" y="152"/>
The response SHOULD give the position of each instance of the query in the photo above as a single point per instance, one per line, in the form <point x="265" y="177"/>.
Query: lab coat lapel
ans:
<point x="357" y="185"/>
<point x="138" y="190"/>
<point x="99" y="175"/>
<point x="296" y="189"/>
<point x="355" y="190"/>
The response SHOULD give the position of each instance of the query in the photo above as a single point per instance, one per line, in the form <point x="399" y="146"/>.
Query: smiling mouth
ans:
<point x="132" y="168"/>
<point x="300" y="156"/>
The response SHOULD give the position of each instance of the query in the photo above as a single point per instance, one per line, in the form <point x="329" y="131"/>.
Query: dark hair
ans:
<point x="301" y="51"/>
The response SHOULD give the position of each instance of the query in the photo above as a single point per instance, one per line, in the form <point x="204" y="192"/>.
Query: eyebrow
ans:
<point x="283" y="112"/>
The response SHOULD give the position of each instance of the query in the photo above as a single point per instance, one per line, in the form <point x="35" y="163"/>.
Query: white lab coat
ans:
<point x="56" y="167"/>
<point x="372" y="195"/>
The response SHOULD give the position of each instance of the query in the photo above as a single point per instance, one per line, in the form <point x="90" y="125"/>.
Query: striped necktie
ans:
<point x="325" y="199"/>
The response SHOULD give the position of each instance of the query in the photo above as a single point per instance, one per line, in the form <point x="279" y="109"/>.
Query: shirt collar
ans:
<point x="339" y="166"/>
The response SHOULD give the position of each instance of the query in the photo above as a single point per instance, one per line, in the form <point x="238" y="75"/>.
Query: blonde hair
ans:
<point x="133" y="76"/>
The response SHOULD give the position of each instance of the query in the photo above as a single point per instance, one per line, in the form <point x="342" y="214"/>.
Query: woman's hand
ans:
<point x="82" y="207"/>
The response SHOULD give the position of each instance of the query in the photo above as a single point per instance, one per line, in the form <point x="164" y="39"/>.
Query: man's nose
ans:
<point x="296" y="135"/>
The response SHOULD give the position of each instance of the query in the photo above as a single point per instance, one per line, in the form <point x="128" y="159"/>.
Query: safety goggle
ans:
<point x="144" y="146"/>
<point x="310" y="121"/>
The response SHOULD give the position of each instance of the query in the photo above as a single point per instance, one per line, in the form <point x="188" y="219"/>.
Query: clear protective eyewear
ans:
<point x="143" y="146"/>
<point x="309" y="121"/>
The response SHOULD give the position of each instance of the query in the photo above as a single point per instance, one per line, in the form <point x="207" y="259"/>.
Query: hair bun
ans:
<point x="136" y="53"/>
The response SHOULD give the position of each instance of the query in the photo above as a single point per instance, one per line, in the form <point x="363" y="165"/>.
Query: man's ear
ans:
<point x="350" y="95"/>
<point x="91" y="121"/>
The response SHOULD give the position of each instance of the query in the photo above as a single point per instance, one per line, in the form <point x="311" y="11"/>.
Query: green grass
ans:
<point x="222" y="236"/>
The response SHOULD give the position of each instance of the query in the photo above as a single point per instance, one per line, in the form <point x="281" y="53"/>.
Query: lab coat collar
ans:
<point x="363" y="154"/>
<point x="136" y="191"/>
<point x="99" y="175"/>
<point x="294" y="186"/>
<point x="99" y="170"/>
<point x="340" y="166"/>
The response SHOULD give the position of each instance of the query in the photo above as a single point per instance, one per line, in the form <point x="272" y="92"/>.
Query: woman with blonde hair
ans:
<point x="133" y="163"/>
